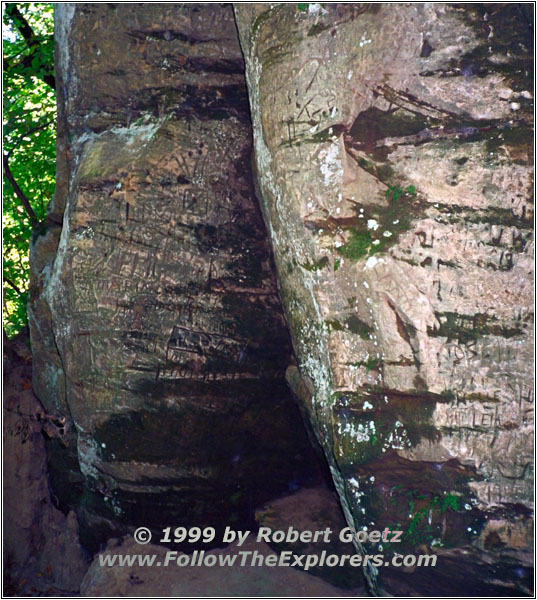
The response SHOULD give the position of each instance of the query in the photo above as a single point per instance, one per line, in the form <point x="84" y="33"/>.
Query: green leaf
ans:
<point x="29" y="103"/>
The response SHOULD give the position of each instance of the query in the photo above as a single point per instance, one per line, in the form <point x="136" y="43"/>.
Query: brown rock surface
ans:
<point x="42" y="552"/>
<point x="393" y="149"/>
<point x="157" y="327"/>
<point x="313" y="510"/>
<point x="393" y="158"/>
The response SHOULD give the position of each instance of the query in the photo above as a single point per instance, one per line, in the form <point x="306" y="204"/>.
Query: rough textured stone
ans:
<point x="316" y="510"/>
<point x="42" y="551"/>
<point x="156" y="325"/>
<point x="393" y="150"/>
<point x="202" y="581"/>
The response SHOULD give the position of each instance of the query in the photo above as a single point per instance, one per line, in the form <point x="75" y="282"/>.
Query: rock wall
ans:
<point x="156" y="325"/>
<point x="393" y="148"/>
<point x="37" y="537"/>
<point x="393" y="159"/>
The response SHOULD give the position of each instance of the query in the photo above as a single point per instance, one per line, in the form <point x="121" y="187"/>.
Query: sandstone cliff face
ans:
<point x="37" y="536"/>
<point x="392" y="149"/>
<point x="393" y="153"/>
<point x="156" y="325"/>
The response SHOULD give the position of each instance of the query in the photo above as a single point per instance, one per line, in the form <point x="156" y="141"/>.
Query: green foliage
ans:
<point x="29" y="144"/>
<point x="391" y="221"/>
<point x="358" y="245"/>
<point x="396" y="192"/>
<point x="420" y="528"/>
<point x="334" y="325"/>
<point x="303" y="6"/>
<point x="370" y="364"/>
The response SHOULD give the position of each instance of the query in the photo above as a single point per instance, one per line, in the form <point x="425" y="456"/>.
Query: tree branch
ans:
<point x="13" y="285"/>
<point x="29" y="132"/>
<point x="12" y="10"/>
<point x="33" y="42"/>
<point x="19" y="193"/>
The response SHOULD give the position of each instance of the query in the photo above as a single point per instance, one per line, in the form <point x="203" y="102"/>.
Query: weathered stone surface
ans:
<point x="315" y="509"/>
<point x="41" y="547"/>
<point x="203" y="581"/>
<point x="157" y="324"/>
<point x="393" y="150"/>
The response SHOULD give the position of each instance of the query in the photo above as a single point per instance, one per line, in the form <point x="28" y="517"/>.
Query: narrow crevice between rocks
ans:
<point x="160" y="337"/>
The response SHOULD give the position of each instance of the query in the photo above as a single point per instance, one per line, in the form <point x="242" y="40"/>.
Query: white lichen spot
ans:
<point x="314" y="9"/>
<point x="331" y="166"/>
<point x="387" y="234"/>
<point x="372" y="224"/>
<point x="372" y="261"/>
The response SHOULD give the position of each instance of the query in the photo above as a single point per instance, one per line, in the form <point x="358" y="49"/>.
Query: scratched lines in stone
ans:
<point x="523" y="393"/>
<point x="207" y="314"/>
<point x="188" y="340"/>
<point x="501" y="481"/>
<point x="196" y="351"/>
<point x="497" y="354"/>
<point x="310" y="103"/>
<point x="500" y="414"/>
<point x="193" y="204"/>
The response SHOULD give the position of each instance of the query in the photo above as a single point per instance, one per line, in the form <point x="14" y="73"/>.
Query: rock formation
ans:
<point x="156" y="326"/>
<point x="393" y="163"/>
<point x="42" y="553"/>
<point x="393" y="153"/>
